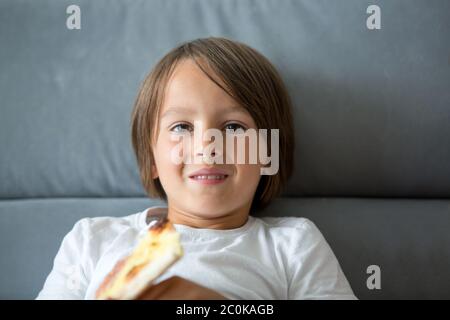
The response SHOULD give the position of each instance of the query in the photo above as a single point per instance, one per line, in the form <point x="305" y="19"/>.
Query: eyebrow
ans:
<point x="190" y="111"/>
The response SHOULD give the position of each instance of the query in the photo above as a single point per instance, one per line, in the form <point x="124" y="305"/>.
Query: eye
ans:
<point x="181" y="128"/>
<point x="234" y="126"/>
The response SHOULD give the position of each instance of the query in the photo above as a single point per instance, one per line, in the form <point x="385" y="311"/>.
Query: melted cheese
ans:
<point x="148" y="250"/>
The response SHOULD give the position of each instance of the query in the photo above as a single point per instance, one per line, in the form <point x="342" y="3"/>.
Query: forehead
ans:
<point x="190" y="87"/>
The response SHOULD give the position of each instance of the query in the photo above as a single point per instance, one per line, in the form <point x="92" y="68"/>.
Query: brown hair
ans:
<point x="248" y="77"/>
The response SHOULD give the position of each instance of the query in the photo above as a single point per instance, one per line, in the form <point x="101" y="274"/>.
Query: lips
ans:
<point x="209" y="172"/>
<point x="209" y="175"/>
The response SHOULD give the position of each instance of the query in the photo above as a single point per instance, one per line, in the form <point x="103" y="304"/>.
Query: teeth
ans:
<point x="209" y="177"/>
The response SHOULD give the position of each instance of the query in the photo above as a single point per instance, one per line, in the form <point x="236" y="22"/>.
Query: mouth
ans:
<point x="209" y="178"/>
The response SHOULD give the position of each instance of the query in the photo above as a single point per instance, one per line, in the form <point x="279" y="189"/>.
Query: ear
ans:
<point x="154" y="172"/>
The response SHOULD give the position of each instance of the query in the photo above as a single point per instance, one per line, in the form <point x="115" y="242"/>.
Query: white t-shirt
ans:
<point x="266" y="258"/>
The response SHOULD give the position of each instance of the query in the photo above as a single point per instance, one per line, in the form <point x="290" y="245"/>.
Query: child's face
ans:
<point x="191" y="96"/>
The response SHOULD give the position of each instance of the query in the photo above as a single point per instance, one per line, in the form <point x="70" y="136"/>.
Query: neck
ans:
<point x="231" y="220"/>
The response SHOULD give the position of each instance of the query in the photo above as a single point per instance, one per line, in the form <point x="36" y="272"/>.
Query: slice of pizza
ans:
<point x="158" y="249"/>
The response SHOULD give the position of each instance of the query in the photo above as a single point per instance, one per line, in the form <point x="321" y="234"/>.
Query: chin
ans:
<point x="209" y="211"/>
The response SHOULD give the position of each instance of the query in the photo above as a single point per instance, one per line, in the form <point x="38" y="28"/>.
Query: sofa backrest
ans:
<point x="371" y="106"/>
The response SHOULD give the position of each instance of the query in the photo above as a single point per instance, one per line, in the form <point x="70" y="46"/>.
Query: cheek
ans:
<point x="248" y="175"/>
<point x="163" y="158"/>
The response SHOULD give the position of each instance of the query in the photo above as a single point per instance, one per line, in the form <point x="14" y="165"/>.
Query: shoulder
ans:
<point x="103" y="228"/>
<point x="291" y="232"/>
<point x="287" y="224"/>
<point x="108" y="222"/>
<point x="91" y="238"/>
<point x="312" y="269"/>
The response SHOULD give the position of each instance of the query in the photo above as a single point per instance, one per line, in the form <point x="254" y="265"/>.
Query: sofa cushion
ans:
<point x="407" y="239"/>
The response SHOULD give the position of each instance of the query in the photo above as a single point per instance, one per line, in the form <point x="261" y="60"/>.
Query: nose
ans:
<point x="205" y="148"/>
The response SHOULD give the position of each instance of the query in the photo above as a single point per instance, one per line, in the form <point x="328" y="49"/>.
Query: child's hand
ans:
<point x="177" y="288"/>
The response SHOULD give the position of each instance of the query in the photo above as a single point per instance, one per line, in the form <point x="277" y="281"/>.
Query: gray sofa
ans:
<point x="372" y="117"/>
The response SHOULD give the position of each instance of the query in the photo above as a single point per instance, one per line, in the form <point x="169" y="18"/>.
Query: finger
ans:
<point x="155" y="291"/>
